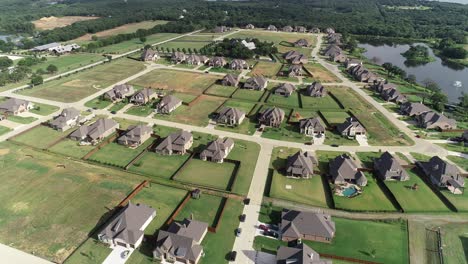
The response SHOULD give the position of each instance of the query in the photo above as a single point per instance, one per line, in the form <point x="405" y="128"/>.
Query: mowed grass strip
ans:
<point x="153" y="164"/>
<point x="334" y="118"/>
<point x="207" y="173"/>
<point x="135" y="43"/>
<point x="43" y="109"/>
<point x="247" y="153"/>
<point x="180" y="81"/>
<point x="4" y="130"/>
<point x="78" y="86"/>
<point x="21" y="119"/>
<point x="248" y="95"/>
<point x="241" y="105"/>
<point x="68" y="62"/>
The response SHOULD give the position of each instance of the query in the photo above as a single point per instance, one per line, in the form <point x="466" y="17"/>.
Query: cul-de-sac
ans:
<point x="206" y="132"/>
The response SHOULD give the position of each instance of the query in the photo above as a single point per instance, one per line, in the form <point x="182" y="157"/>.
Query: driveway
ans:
<point x="115" y="257"/>
<point x="362" y="140"/>
<point x="14" y="256"/>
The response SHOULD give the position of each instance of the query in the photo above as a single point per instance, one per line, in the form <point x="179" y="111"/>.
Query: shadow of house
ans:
<point x="464" y="241"/>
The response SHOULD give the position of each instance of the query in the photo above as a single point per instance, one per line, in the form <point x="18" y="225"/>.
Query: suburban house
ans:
<point x="329" y="30"/>
<point x="413" y="109"/>
<point x="381" y="86"/>
<point x="299" y="254"/>
<point x="316" y="89"/>
<point x="230" y="80"/>
<point x="311" y="127"/>
<point x="258" y="83"/>
<point x="249" y="26"/>
<point x="47" y="47"/>
<point x="287" y="29"/>
<point x="272" y="117"/>
<point x="362" y="74"/>
<point x="334" y="38"/>
<point x="332" y="50"/>
<point x="217" y="62"/>
<point x="443" y="174"/>
<point x="433" y="120"/>
<point x="13" y="106"/>
<point x="135" y="136"/>
<point x="238" y="64"/>
<point x="306" y="226"/>
<point x="95" y="132"/>
<point x="315" y="30"/>
<point x="294" y="57"/>
<point x="230" y="116"/>
<point x="119" y="92"/>
<point x="301" y="165"/>
<point x="250" y="45"/>
<point x="352" y="62"/>
<point x="300" y="29"/>
<point x="181" y="242"/>
<point x="295" y="70"/>
<point x="143" y="96"/>
<point x="193" y="59"/>
<point x="222" y="29"/>
<point x="351" y="128"/>
<point x="127" y="228"/>
<point x="339" y="57"/>
<point x="393" y="95"/>
<point x="168" y="104"/>
<point x="176" y="143"/>
<point x="217" y="150"/>
<point x="149" y="55"/>
<point x="178" y="57"/>
<point x="57" y="48"/>
<point x="69" y="118"/>
<point x="301" y="43"/>
<point x="343" y="169"/>
<point x="388" y="168"/>
<point x="285" y="89"/>
<point x="272" y="28"/>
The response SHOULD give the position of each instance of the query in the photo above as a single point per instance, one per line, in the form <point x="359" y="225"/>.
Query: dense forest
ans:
<point x="361" y="17"/>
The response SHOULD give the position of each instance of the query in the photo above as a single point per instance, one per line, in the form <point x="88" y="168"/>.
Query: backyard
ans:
<point x="207" y="173"/>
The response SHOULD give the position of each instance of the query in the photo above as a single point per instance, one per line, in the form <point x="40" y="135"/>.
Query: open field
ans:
<point x="153" y="164"/>
<point x="388" y="240"/>
<point x="180" y="81"/>
<point x="320" y="74"/>
<point x="48" y="23"/>
<point x="207" y="173"/>
<point x="188" y="42"/>
<point x="135" y="44"/>
<point x="320" y="103"/>
<point x="77" y="86"/>
<point x="306" y="191"/>
<point x="68" y="62"/>
<point x="86" y="190"/>
<point x="221" y="90"/>
<point x="40" y="136"/>
<point x="118" y="155"/>
<point x="282" y="40"/>
<point x="266" y="69"/>
<point x="196" y="114"/>
<point x="124" y="29"/>
<point x="21" y="119"/>
<point x="186" y="98"/>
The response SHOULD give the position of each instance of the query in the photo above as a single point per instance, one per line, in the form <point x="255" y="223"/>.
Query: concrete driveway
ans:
<point x="15" y="256"/>
<point x="115" y="257"/>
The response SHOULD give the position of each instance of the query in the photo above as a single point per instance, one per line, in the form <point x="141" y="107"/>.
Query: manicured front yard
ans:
<point x="4" y="130"/>
<point x="98" y="103"/>
<point x="153" y="164"/>
<point x="43" y="109"/>
<point x="140" y="110"/>
<point x="459" y="161"/>
<point x="21" y="119"/>
<point x="247" y="153"/>
<point x="221" y="90"/>
<point x="207" y="173"/>
<point x="249" y="95"/>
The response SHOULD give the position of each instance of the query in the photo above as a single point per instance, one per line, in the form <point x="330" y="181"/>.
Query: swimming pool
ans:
<point x="349" y="191"/>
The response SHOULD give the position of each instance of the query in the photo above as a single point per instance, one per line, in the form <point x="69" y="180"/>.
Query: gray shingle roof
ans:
<point x="13" y="104"/>
<point x="168" y="102"/>
<point x="257" y="82"/>
<point x="312" y="122"/>
<point x="343" y="168"/>
<point x="316" y="89"/>
<point x="388" y="167"/>
<point x="134" y="134"/>
<point x="95" y="130"/>
<point x="299" y="223"/>
<point x="67" y="114"/>
<point x="217" y="149"/>
<point x="231" y="113"/>
<point x="300" y="254"/>
<point x="441" y="171"/>
<point x="301" y="163"/>
<point x="349" y="123"/>
<point x="175" y="141"/>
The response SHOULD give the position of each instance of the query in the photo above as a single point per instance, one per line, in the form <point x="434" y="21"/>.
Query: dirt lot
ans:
<point x="128" y="28"/>
<point x="52" y="22"/>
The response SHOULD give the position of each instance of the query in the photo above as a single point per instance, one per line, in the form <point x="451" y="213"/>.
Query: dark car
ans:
<point x="242" y="218"/>
<point x="247" y="201"/>
<point x="263" y="227"/>
<point x="238" y="231"/>
<point x="232" y="256"/>
<point x="335" y="145"/>
<point x="271" y="234"/>
<point x="113" y="112"/>
<point x="309" y="143"/>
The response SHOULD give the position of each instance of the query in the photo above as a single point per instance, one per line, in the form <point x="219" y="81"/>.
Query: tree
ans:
<point x="143" y="39"/>
<point x="411" y="79"/>
<point x="388" y="67"/>
<point x="94" y="38"/>
<point x="5" y="62"/>
<point x="36" y="80"/>
<point x="148" y="46"/>
<point x="431" y="85"/>
<point x="52" y="69"/>
<point x="463" y="100"/>
<point x="438" y="100"/>
<point x="41" y="72"/>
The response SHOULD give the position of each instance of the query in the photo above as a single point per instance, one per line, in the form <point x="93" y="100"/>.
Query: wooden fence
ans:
<point x="135" y="191"/>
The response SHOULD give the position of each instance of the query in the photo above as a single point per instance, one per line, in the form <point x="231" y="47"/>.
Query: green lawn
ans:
<point x="458" y="147"/>
<point x="266" y="69"/>
<point x="221" y="90"/>
<point x="248" y="95"/>
<point x="286" y="132"/>
<point x="4" y="130"/>
<point x="459" y="161"/>
<point x="117" y="106"/>
<point x="248" y="127"/>
<point x="332" y="137"/>
<point x="320" y="103"/>
<point x="299" y="114"/>
<point x="455" y="242"/>
<point x="460" y="201"/>
<point x="92" y="251"/>
<point x="39" y="137"/>
<point x="21" y="119"/>
<point x="125" y="123"/>
<point x="420" y="157"/>
<point x="247" y="153"/>
<point x="118" y="155"/>
<point x="186" y="98"/>
<point x="335" y="118"/>
<point x="207" y="173"/>
<point x="357" y="239"/>
<point x="241" y="105"/>
<point x="98" y="103"/>
<point x="134" y="44"/>
<point x="306" y="191"/>
<point x="279" y="100"/>
<point x="153" y="164"/>
<point x="140" y="110"/>
<point x="203" y="209"/>
<point x="43" y="109"/>
<point x="68" y="62"/>
<point x="77" y="86"/>
<point x="320" y="74"/>
<point x="76" y="198"/>
<point x="70" y="148"/>
<point x="421" y="200"/>
<point x="192" y="42"/>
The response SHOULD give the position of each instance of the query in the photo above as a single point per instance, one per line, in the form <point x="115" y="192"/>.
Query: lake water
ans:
<point x="443" y="75"/>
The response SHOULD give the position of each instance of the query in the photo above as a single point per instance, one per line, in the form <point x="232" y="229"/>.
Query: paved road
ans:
<point x="9" y="255"/>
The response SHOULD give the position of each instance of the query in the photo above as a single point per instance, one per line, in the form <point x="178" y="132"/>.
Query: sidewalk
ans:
<point x="13" y="256"/>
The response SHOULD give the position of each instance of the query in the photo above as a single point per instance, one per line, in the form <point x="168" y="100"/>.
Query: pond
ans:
<point x="451" y="80"/>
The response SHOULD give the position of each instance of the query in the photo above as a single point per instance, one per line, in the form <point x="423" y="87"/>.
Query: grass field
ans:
<point x="68" y="62"/>
<point x="207" y="173"/>
<point x="196" y="114"/>
<point x="70" y="148"/>
<point x="320" y="74"/>
<point x="186" y="98"/>
<point x="420" y="157"/>
<point x="21" y="119"/>
<point x="279" y="100"/>
<point x="40" y="186"/>
<point x="134" y="44"/>
<point x="455" y="241"/>
<point x="460" y="201"/>
<point x="180" y="81"/>
<point x="43" y="109"/>
<point x="77" y="86"/>
<point x="459" y="161"/>
<point x="118" y="155"/>
<point x="153" y="164"/>
<point x="266" y="69"/>
<point x="39" y="137"/>
<point x="335" y="118"/>
<point x="140" y="110"/>
<point x="282" y="40"/>
<point x="421" y="200"/>
<point x="247" y="153"/>
<point x="299" y="114"/>
<point x="458" y="147"/>
<point x="286" y="132"/>
<point x="188" y="42"/>
<point x="320" y="103"/>
<point x="4" y="130"/>
<point x="388" y="239"/>
<point x="248" y="95"/>
<point x="221" y="90"/>
<point x="98" y="103"/>
<point x="203" y="209"/>
<point x="241" y="105"/>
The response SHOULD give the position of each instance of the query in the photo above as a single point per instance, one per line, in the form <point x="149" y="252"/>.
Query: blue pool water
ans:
<point x="350" y="191"/>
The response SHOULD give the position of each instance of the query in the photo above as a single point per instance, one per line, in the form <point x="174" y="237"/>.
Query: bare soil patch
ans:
<point x="47" y="23"/>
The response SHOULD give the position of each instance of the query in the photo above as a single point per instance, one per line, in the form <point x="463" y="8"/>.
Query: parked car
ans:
<point x="125" y="254"/>
<point x="113" y="112"/>
<point x="238" y="231"/>
<point x="247" y="201"/>
<point x="263" y="227"/>
<point x="271" y="234"/>
<point x="308" y="143"/>
<point x="232" y="256"/>
<point x="335" y="145"/>
<point x="242" y="217"/>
